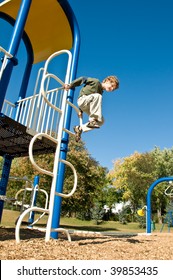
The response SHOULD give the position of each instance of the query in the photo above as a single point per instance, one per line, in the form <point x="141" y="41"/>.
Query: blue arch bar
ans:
<point x="13" y="48"/>
<point x="149" y="194"/>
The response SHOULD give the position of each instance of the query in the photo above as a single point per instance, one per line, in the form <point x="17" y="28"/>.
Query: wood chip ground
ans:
<point x="85" y="246"/>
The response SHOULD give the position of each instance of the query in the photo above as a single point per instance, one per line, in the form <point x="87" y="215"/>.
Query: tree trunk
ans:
<point x="159" y="216"/>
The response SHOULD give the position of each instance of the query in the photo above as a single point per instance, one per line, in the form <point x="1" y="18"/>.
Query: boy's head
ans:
<point x="110" y="83"/>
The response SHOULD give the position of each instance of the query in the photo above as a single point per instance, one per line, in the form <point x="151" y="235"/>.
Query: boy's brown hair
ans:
<point x="113" y="79"/>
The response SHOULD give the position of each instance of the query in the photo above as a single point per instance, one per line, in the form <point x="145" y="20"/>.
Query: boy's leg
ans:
<point x="86" y="128"/>
<point x="83" y="128"/>
<point x="84" y="103"/>
<point x="91" y="105"/>
<point x="78" y="131"/>
<point x="95" y="117"/>
<point x="95" y="108"/>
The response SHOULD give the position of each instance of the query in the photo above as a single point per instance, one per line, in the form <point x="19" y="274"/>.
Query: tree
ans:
<point x="163" y="162"/>
<point x="133" y="176"/>
<point x="91" y="181"/>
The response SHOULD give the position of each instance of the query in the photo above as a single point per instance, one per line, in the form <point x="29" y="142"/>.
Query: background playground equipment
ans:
<point x="168" y="219"/>
<point x="21" y="201"/>
<point x="46" y="114"/>
<point x="33" y="190"/>
<point x="21" y="198"/>
<point x="169" y="190"/>
<point x="150" y="225"/>
<point x="141" y="212"/>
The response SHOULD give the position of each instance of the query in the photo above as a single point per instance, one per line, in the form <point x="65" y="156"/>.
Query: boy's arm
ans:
<point x="78" y="82"/>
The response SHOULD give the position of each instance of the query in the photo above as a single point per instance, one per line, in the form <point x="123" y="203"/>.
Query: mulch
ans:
<point x="85" y="246"/>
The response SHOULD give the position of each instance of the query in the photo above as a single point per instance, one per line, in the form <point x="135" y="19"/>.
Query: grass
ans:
<point x="110" y="226"/>
<point x="9" y="217"/>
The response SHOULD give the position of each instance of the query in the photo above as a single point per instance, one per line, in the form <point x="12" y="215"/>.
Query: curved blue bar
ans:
<point x="30" y="57"/>
<point x="14" y="45"/>
<point x="149" y="193"/>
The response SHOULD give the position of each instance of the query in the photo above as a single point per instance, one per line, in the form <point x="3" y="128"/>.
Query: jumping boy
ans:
<point x="90" y="100"/>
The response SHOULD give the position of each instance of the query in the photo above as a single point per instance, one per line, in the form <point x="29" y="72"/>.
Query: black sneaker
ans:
<point x="78" y="131"/>
<point x="93" y="124"/>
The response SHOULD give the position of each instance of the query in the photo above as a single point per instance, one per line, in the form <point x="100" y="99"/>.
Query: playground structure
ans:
<point x="42" y="120"/>
<point x="147" y="210"/>
<point x="33" y="190"/>
<point x="20" y="196"/>
<point x="169" y="210"/>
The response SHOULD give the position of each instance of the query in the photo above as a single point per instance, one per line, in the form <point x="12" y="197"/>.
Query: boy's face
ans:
<point x="108" y="86"/>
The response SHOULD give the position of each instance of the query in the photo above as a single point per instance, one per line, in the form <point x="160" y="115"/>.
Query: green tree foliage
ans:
<point x="163" y="162"/>
<point x="133" y="176"/>
<point x="97" y="213"/>
<point x="91" y="181"/>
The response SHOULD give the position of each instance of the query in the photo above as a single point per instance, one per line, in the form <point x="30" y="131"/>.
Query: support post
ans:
<point x="65" y="137"/>
<point x="4" y="180"/>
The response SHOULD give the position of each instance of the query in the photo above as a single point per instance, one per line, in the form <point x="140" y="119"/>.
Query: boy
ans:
<point x="90" y="100"/>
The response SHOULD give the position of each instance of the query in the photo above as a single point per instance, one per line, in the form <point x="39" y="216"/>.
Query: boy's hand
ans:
<point x="66" y="86"/>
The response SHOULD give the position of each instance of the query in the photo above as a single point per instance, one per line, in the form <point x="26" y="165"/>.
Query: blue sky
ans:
<point x="133" y="40"/>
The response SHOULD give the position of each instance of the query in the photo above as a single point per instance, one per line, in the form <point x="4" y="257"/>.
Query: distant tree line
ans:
<point x="133" y="175"/>
<point x="129" y="180"/>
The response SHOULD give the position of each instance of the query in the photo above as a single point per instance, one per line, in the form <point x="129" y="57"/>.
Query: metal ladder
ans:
<point x="44" y="91"/>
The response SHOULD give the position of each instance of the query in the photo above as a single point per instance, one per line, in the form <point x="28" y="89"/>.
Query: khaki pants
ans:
<point x="92" y="106"/>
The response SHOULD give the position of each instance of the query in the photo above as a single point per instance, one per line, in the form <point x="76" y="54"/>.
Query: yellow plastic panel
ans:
<point x="47" y="26"/>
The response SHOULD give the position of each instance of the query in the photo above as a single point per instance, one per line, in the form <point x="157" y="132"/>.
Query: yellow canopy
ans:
<point x="47" y="26"/>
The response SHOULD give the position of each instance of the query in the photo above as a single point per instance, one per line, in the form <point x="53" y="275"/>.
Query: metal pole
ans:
<point x="13" y="48"/>
<point x="34" y="198"/>
<point x="4" y="179"/>
<point x="65" y="136"/>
